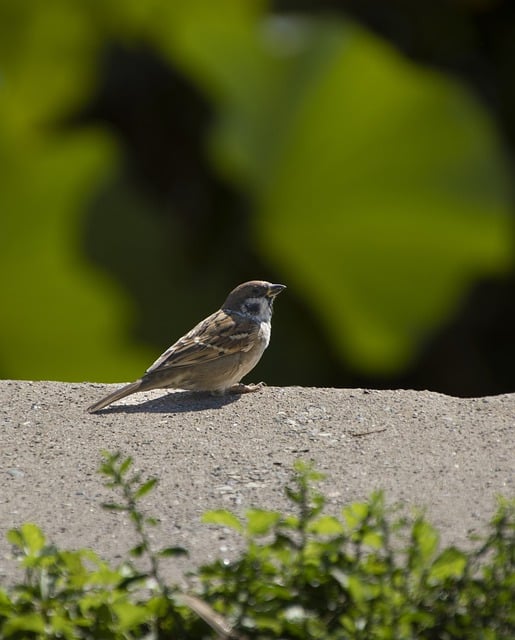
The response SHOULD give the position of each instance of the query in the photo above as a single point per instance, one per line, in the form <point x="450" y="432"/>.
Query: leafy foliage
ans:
<point x="302" y="575"/>
<point x="316" y="576"/>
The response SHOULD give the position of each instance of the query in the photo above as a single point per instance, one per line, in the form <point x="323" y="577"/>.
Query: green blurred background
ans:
<point x="154" y="154"/>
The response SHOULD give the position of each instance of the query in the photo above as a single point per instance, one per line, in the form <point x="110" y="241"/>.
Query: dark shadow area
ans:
<point x="175" y="402"/>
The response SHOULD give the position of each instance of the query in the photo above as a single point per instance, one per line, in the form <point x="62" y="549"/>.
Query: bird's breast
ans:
<point x="264" y="333"/>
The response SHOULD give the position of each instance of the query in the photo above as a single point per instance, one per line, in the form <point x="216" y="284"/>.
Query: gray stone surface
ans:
<point x="452" y="456"/>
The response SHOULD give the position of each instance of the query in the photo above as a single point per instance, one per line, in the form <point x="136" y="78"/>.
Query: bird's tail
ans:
<point x="116" y="395"/>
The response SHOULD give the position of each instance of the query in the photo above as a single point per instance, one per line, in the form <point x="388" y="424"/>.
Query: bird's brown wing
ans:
<point x="219" y="335"/>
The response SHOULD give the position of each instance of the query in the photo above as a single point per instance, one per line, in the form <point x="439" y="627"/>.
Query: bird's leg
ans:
<point x="246" y="388"/>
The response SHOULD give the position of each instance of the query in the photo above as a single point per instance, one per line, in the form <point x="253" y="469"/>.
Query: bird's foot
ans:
<point x="246" y="388"/>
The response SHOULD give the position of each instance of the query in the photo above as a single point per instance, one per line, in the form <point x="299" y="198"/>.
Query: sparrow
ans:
<point x="216" y="354"/>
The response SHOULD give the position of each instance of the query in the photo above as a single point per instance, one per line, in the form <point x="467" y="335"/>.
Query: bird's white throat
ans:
<point x="265" y="329"/>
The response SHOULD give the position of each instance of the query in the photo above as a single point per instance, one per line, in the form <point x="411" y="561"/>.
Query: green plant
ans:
<point x="74" y="594"/>
<point x="305" y="574"/>
<point x="311" y="575"/>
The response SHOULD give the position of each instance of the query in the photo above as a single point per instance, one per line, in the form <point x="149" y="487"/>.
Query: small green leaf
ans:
<point x="361" y="590"/>
<point x="5" y="601"/>
<point x="290" y="522"/>
<point x="113" y="506"/>
<point x="269" y="623"/>
<point x="260" y="521"/>
<point x="130" y="616"/>
<point x="145" y="488"/>
<point x="306" y="471"/>
<point x="28" y="537"/>
<point x="30" y="622"/>
<point x="173" y="552"/>
<point x="14" y="537"/>
<point x="326" y="526"/>
<point x="138" y="550"/>
<point x="126" y="464"/>
<point x="223" y="518"/>
<point x="450" y="563"/>
<point x="355" y="514"/>
<point x="293" y="495"/>
<point x="426" y="539"/>
<point x="62" y="626"/>
<point x="373" y="539"/>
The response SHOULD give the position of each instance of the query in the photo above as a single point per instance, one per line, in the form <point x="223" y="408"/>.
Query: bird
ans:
<point x="218" y="352"/>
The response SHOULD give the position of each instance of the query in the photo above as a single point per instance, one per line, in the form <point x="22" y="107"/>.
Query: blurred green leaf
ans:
<point x="222" y="518"/>
<point x="173" y="552"/>
<point x="130" y="615"/>
<point x="125" y="465"/>
<point x="381" y="187"/>
<point x="138" y="550"/>
<point x="68" y="318"/>
<point x="355" y="514"/>
<point x="389" y="199"/>
<point x="113" y="506"/>
<point x="29" y="623"/>
<point x="373" y="539"/>
<point x="48" y="63"/>
<point x="450" y="563"/>
<point x="261" y="521"/>
<point x="60" y="317"/>
<point x="326" y="526"/>
<point x="28" y="538"/>
<point x="426" y="539"/>
<point x="145" y="488"/>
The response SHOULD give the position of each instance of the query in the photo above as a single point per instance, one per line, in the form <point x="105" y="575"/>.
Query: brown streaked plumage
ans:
<point x="216" y="354"/>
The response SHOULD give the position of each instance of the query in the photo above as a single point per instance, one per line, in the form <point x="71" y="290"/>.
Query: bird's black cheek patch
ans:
<point x="253" y="307"/>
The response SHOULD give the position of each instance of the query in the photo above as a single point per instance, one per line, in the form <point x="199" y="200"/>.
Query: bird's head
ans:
<point x="254" y="299"/>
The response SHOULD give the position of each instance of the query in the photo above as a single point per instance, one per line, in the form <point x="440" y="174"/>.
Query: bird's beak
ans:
<point x="275" y="290"/>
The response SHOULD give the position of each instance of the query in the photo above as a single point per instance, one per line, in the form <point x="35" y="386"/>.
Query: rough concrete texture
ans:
<point x="453" y="456"/>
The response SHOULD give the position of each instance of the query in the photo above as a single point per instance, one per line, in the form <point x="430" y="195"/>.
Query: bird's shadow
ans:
<point x="176" y="402"/>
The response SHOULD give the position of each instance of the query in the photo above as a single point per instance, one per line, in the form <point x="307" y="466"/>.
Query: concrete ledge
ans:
<point x="450" y="455"/>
